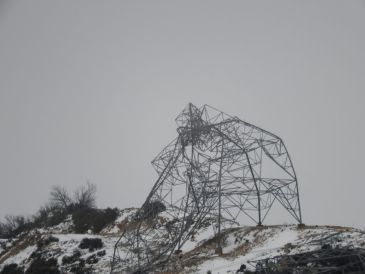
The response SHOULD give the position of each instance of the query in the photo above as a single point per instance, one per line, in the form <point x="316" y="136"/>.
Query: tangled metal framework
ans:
<point x="327" y="260"/>
<point x="218" y="167"/>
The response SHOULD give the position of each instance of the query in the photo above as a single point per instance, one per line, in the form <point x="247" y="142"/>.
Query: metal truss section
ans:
<point x="329" y="260"/>
<point x="219" y="168"/>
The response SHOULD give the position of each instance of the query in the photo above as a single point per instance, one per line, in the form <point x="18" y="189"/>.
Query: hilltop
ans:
<point x="64" y="251"/>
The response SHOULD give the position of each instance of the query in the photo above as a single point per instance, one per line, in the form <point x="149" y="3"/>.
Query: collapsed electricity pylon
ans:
<point x="218" y="167"/>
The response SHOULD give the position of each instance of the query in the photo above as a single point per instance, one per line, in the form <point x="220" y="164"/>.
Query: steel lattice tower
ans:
<point x="218" y="167"/>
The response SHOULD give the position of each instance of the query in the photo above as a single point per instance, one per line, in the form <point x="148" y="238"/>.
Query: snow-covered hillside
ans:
<point x="245" y="244"/>
<point x="240" y="246"/>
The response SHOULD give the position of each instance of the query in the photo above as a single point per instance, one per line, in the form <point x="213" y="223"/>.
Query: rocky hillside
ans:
<point x="58" y="249"/>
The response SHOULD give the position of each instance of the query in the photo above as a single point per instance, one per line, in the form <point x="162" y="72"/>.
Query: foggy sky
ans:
<point x="89" y="91"/>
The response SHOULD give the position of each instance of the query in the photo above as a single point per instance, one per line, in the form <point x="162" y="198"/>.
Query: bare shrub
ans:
<point x="91" y="243"/>
<point x="85" y="196"/>
<point x="2" y="230"/>
<point x="60" y="197"/>
<point x="60" y="204"/>
<point x="152" y="209"/>
<point x="93" y="219"/>
<point x="14" y="225"/>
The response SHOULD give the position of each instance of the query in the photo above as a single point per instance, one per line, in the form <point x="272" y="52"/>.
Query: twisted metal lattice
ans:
<point x="326" y="260"/>
<point x="218" y="167"/>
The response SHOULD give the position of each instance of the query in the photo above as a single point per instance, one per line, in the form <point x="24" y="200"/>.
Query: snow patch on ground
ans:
<point x="281" y="238"/>
<point x="198" y="238"/>
<point x="21" y="256"/>
<point x="273" y="241"/>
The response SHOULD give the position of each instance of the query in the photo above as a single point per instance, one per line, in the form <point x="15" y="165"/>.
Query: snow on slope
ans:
<point x="274" y="240"/>
<point x="65" y="244"/>
<point x="240" y="245"/>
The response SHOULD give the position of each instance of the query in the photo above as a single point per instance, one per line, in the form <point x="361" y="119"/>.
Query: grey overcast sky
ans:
<point x="89" y="91"/>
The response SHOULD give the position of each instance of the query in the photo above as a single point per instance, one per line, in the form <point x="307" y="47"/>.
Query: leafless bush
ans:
<point x="85" y="196"/>
<point x="61" y="203"/>
<point x="13" y="225"/>
<point x="14" y="222"/>
<point x="2" y="230"/>
<point x="59" y="197"/>
<point x="44" y="212"/>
